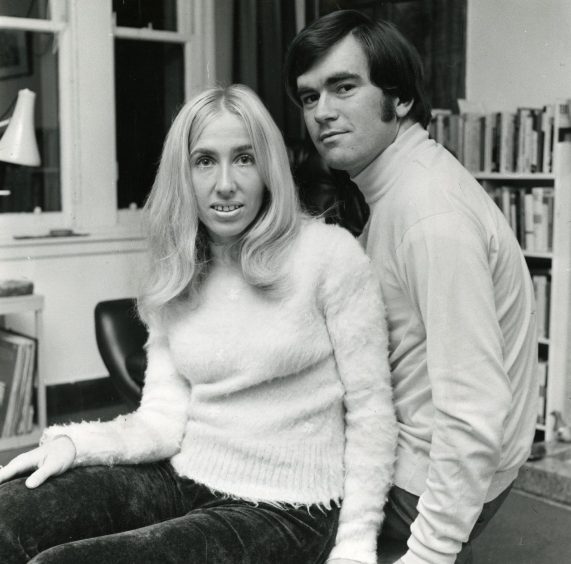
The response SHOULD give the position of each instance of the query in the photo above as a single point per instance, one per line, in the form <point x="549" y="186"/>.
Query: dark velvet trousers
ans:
<point x="148" y="514"/>
<point x="401" y="511"/>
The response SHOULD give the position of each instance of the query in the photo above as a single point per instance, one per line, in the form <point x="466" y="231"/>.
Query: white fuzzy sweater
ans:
<point x="283" y="400"/>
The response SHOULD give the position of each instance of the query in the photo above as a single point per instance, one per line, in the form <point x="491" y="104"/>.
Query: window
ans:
<point x="29" y="59"/>
<point x="149" y="89"/>
<point x="109" y="75"/>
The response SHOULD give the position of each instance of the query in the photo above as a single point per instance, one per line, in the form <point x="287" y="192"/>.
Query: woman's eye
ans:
<point x="203" y="162"/>
<point x="245" y="160"/>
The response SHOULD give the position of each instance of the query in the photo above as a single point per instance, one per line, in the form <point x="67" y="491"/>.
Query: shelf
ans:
<point x="547" y="255"/>
<point x="514" y="176"/>
<point x="543" y="341"/>
<point x="19" y="441"/>
<point x="540" y="427"/>
<point x="20" y="304"/>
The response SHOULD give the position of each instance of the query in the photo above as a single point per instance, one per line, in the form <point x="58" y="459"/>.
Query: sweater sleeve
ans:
<point x="355" y="319"/>
<point x="444" y="264"/>
<point x="153" y="432"/>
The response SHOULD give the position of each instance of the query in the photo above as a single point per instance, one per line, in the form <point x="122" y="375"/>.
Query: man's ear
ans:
<point x="402" y="107"/>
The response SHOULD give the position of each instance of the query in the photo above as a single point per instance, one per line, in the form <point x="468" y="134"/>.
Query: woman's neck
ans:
<point x="222" y="254"/>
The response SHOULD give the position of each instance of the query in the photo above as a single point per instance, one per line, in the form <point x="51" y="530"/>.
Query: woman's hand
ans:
<point x="50" y="459"/>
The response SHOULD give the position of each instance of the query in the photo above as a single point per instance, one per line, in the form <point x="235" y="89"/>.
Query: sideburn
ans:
<point x="388" y="112"/>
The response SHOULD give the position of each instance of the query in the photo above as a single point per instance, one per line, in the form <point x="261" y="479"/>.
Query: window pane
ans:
<point x="30" y="62"/>
<point x="24" y="8"/>
<point x="146" y="13"/>
<point x="149" y="89"/>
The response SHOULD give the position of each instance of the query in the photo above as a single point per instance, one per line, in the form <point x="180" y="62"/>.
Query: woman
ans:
<point x="267" y="396"/>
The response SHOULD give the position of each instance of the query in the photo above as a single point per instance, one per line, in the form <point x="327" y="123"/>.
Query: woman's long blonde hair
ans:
<point x="178" y="245"/>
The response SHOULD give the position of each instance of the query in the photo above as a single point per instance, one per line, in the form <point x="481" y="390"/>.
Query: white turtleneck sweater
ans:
<point x="462" y="337"/>
<point x="283" y="400"/>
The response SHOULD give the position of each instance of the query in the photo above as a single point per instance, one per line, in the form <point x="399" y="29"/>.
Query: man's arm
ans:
<point x="444" y="265"/>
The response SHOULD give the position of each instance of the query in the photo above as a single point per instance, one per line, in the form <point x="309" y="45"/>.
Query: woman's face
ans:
<point x="228" y="187"/>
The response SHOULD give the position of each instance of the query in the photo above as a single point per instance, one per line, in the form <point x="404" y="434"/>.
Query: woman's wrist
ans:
<point x="70" y="440"/>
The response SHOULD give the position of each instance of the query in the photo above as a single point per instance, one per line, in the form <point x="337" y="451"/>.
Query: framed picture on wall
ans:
<point x="15" y="59"/>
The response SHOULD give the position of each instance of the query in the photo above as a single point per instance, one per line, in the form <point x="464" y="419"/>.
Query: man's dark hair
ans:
<point x="394" y="63"/>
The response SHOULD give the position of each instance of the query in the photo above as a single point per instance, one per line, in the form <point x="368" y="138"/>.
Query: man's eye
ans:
<point x="245" y="159"/>
<point x="344" y="88"/>
<point x="308" y="99"/>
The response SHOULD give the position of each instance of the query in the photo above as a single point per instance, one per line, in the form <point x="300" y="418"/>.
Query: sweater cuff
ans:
<point x="425" y="555"/>
<point x="354" y="550"/>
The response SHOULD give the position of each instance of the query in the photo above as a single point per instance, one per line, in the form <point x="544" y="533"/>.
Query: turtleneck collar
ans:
<point x="376" y="177"/>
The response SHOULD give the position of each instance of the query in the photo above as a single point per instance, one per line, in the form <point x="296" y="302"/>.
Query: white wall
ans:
<point x="73" y="276"/>
<point x="518" y="52"/>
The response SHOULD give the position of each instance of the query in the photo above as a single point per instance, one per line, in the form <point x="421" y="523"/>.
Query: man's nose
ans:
<point x="325" y="109"/>
<point x="226" y="185"/>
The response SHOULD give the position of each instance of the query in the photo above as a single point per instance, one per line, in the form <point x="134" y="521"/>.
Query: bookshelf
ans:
<point x="523" y="160"/>
<point x="29" y="304"/>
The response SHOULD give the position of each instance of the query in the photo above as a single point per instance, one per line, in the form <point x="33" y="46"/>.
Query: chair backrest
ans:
<point x="120" y="334"/>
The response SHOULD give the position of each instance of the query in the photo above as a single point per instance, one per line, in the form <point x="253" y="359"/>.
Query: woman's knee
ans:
<point x="19" y="516"/>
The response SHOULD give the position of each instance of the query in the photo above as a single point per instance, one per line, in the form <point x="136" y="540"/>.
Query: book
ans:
<point x="529" y="239"/>
<point x="9" y="358"/>
<point x="547" y="148"/>
<point x="24" y="347"/>
<point x="505" y="130"/>
<point x="541" y="301"/>
<point x="540" y="218"/>
<point x="487" y="142"/>
<point x="542" y="368"/>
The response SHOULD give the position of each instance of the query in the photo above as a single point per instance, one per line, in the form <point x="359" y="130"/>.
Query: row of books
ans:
<point x="529" y="212"/>
<point x="542" y="290"/>
<point x="17" y="370"/>
<point x="504" y="142"/>
<point x="542" y="369"/>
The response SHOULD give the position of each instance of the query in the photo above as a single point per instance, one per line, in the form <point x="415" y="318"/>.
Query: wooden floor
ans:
<point x="526" y="530"/>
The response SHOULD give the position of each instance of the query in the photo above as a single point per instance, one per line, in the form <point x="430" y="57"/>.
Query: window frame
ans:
<point x="86" y="86"/>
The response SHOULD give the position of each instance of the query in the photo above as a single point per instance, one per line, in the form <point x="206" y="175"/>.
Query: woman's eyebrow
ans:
<point x="240" y="148"/>
<point x="202" y="151"/>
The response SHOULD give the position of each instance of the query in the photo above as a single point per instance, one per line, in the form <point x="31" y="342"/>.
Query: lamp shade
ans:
<point x="18" y="144"/>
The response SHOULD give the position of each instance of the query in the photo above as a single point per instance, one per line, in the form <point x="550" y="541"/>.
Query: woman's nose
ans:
<point x="226" y="183"/>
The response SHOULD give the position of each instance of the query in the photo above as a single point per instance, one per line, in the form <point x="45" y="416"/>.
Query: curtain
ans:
<point x="437" y="28"/>
<point x="263" y="30"/>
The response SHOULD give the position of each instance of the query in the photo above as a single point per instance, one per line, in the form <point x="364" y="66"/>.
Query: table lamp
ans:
<point x="18" y="144"/>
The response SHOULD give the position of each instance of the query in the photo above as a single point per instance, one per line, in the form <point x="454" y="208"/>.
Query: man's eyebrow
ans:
<point x="332" y="80"/>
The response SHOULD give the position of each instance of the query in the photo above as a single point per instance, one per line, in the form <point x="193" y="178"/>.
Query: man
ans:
<point x="459" y="297"/>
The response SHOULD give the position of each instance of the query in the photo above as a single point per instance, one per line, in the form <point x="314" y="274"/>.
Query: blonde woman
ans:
<point x="266" y="431"/>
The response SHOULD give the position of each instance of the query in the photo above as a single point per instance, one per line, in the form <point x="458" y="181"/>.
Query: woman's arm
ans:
<point x="152" y="432"/>
<point x="355" y="319"/>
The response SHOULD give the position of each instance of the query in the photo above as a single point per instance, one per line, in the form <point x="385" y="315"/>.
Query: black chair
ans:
<point x="120" y="338"/>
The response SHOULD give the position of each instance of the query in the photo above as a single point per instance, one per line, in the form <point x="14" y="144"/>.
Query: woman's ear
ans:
<point x="403" y="107"/>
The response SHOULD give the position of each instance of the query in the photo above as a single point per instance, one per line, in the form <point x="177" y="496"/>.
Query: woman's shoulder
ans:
<point x="329" y="242"/>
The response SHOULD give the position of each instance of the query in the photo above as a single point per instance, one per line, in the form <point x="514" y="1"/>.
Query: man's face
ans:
<point x="344" y="111"/>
